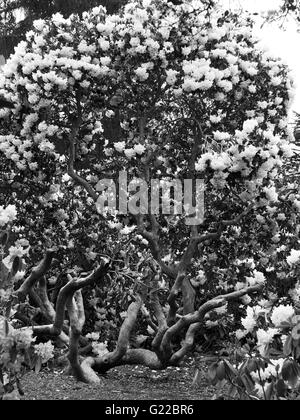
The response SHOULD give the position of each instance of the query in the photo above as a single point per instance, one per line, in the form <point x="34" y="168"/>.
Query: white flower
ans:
<point x="205" y="85"/>
<point x="281" y="314"/>
<point x="226" y="85"/>
<point x="127" y="230"/>
<point x="281" y="216"/>
<point x="260" y="391"/>
<point x="93" y="336"/>
<point x="218" y="163"/>
<point x="100" y="349"/>
<point x="23" y="337"/>
<point x="120" y="146"/>
<point x="45" y="351"/>
<point x="142" y="73"/>
<point x="263" y="104"/>
<point x="134" y="42"/>
<point x="130" y="153"/>
<point x="186" y="50"/>
<point x="276" y="81"/>
<point x="20" y="275"/>
<point x="7" y="214"/>
<point x="114" y="225"/>
<point x="39" y="24"/>
<point x="33" y="99"/>
<point x="221" y="136"/>
<point x="109" y="113"/>
<point x="294" y="257"/>
<point x="250" y="151"/>
<point x="202" y="162"/>
<point x="58" y="19"/>
<point x="249" y="323"/>
<point x="171" y="76"/>
<point x="139" y="149"/>
<point x="240" y="334"/>
<point x="249" y="126"/>
<point x="271" y="370"/>
<point x="260" y="219"/>
<point x="104" y="45"/>
<point x="65" y="178"/>
<point x="146" y="3"/>
<point x="264" y="338"/>
<point x="215" y="119"/>
<point x="223" y="310"/>
<point x="105" y="61"/>
<point x="271" y="194"/>
<point x="257" y="278"/>
<point x="220" y="97"/>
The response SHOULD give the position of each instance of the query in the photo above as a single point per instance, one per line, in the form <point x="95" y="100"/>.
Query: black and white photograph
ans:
<point x="149" y="203"/>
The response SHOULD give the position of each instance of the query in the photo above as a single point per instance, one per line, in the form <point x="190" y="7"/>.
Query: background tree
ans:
<point x="17" y="16"/>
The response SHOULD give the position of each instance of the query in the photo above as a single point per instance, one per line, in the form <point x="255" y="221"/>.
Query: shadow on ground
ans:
<point x="123" y="383"/>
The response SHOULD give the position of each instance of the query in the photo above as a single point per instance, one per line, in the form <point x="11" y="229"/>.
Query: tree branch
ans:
<point x="160" y="317"/>
<point x="65" y="294"/>
<point x="112" y="358"/>
<point x="153" y="239"/>
<point x="198" y="316"/>
<point x="71" y="287"/>
<point x="37" y="272"/>
<point x="72" y="157"/>
<point x="77" y="319"/>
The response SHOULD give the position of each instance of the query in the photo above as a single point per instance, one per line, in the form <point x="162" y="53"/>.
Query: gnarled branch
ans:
<point x="36" y="273"/>
<point x="198" y="316"/>
<point x="72" y="157"/>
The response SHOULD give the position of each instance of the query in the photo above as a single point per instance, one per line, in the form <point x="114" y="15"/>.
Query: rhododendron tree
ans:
<point x="17" y="16"/>
<point x="163" y="92"/>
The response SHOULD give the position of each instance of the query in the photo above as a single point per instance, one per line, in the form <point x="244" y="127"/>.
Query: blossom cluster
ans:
<point x="63" y="62"/>
<point x="45" y="351"/>
<point x="9" y="336"/>
<point x="100" y="349"/>
<point x="273" y="368"/>
<point x="276" y="318"/>
<point x="7" y="214"/>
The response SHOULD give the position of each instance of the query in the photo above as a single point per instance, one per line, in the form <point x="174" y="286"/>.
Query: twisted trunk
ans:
<point x="163" y="356"/>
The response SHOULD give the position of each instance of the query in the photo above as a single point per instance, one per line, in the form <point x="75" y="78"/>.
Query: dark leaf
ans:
<point x="269" y="391"/>
<point x="281" y="388"/>
<point x="6" y="327"/>
<point x="3" y="238"/>
<point x="16" y="266"/>
<point x="221" y="371"/>
<point x="287" y="369"/>
<point x="38" y="365"/>
<point x="212" y="373"/>
<point x="287" y="348"/>
<point x="248" y="382"/>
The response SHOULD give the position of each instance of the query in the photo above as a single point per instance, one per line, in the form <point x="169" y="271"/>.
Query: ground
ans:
<point x="124" y="383"/>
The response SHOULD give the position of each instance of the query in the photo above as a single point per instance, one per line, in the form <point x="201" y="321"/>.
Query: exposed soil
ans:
<point x="124" y="383"/>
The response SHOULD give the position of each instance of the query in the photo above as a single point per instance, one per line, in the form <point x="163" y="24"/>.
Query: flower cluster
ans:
<point x="7" y="214"/>
<point x="264" y="338"/>
<point x="45" y="351"/>
<point x="58" y="69"/>
<point x="294" y="257"/>
<point x="281" y="314"/>
<point x="273" y="368"/>
<point x="100" y="349"/>
<point x="10" y="337"/>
